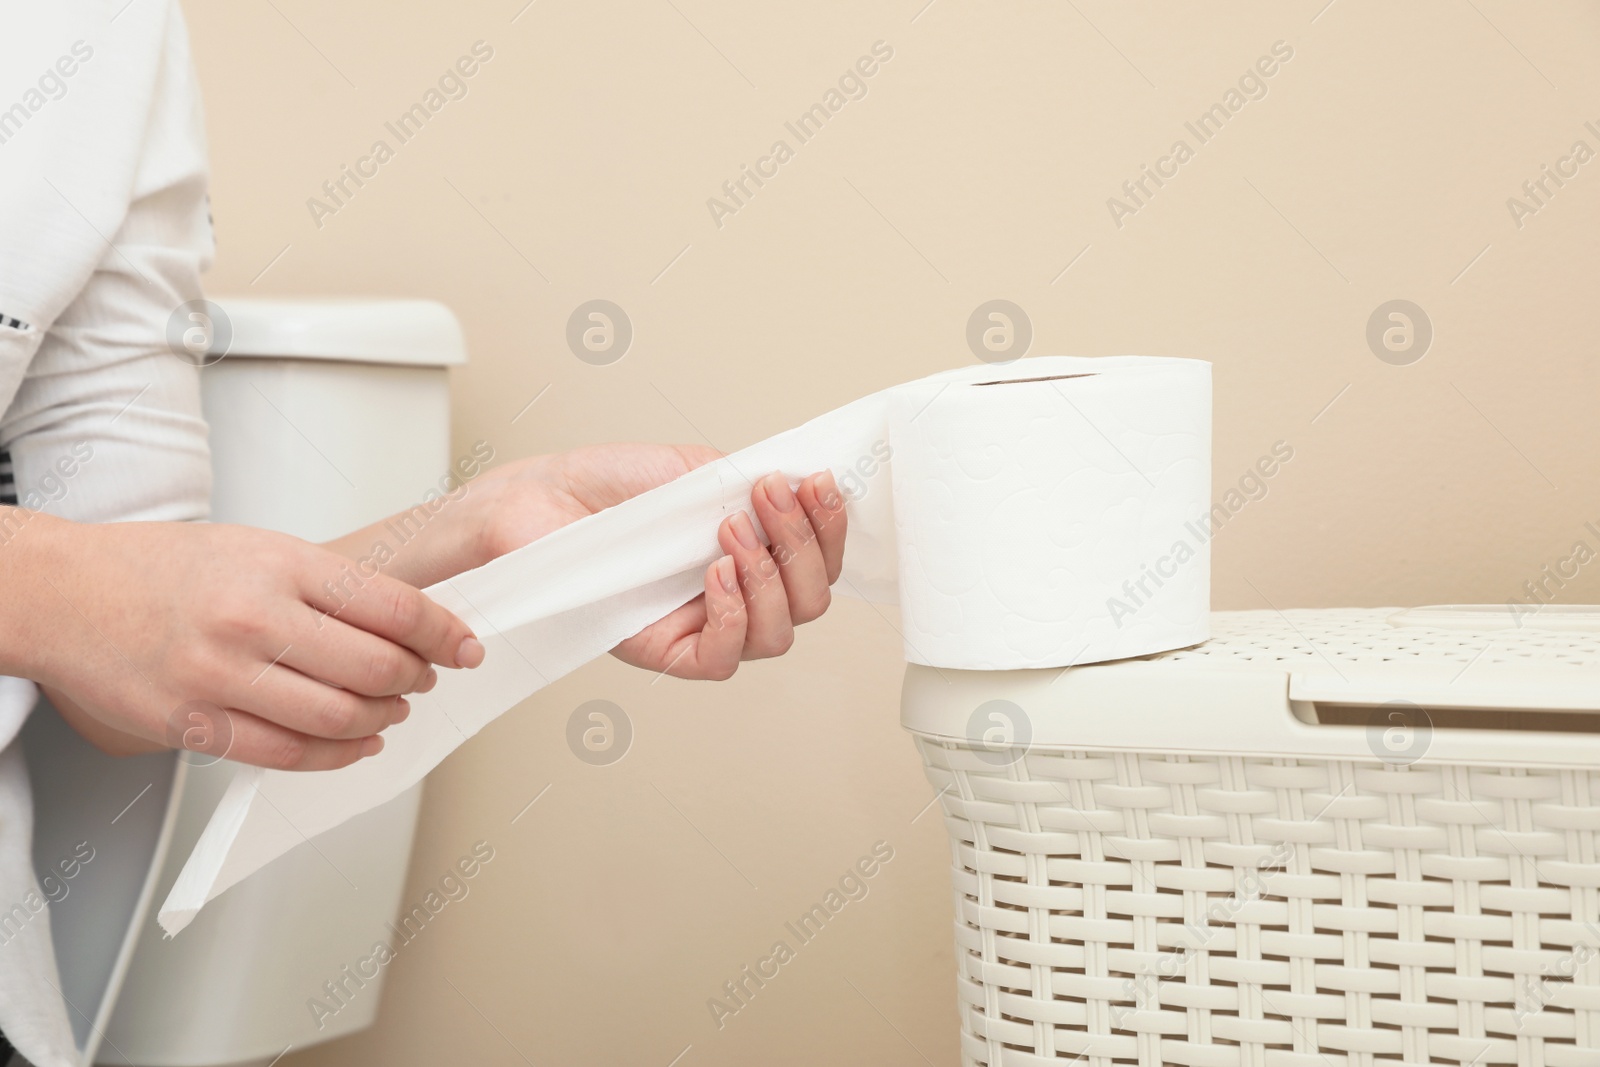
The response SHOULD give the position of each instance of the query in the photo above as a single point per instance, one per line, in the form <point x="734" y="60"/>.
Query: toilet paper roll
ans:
<point x="1028" y="511"/>
<point x="1037" y="515"/>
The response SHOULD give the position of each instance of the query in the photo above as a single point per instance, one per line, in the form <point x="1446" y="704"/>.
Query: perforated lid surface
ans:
<point x="1452" y="655"/>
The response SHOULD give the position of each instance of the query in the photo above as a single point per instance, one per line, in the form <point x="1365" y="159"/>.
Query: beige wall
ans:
<point x="1377" y="167"/>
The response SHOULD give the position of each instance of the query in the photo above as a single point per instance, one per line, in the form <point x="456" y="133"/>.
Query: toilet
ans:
<point x="325" y="415"/>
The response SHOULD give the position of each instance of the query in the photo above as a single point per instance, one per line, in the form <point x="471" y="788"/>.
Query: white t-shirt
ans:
<point x="104" y="230"/>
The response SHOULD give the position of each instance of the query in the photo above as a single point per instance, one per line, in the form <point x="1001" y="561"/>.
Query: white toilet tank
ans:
<point x="325" y="415"/>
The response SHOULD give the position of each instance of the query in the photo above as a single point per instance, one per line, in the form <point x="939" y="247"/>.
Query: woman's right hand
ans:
<point x="289" y="656"/>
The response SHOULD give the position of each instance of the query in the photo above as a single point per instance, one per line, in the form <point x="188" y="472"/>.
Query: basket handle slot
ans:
<point x="1045" y="378"/>
<point x="1403" y="713"/>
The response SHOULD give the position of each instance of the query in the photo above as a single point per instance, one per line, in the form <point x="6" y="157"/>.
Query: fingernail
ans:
<point x="401" y="712"/>
<point x="728" y="575"/>
<point x="828" y="491"/>
<point x="778" y="491"/>
<point x="470" y="654"/>
<point x="429" y="680"/>
<point x="371" y="746"/>
<point x="745" y="531"/>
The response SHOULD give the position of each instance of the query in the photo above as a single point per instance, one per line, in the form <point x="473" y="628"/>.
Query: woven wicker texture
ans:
<point x="1124" y="908"/>
<point x="1271" y="913"/>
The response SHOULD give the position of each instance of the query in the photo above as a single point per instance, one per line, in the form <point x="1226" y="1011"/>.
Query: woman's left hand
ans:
<point x="754" y="595"/>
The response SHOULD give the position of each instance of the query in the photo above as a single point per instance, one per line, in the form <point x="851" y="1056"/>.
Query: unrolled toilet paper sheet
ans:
<point x="1033" y="515"/>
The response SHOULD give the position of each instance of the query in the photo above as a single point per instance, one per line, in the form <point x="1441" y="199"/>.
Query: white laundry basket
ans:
<point x="1320" y="839"/>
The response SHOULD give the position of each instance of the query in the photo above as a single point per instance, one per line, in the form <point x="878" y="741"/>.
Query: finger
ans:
<point x="794" y="548"/>
<point x="702" y="639"/>
<point x="333" y="651"/>
<point x="660" y="646"/>
<point x="720" y="643"/>
<point x="824" y="505"/>
<point x="400" y="613"/>
<point x="290" y="699"/>
<point x="769" y="631"/>
<point x="260" y="743"/>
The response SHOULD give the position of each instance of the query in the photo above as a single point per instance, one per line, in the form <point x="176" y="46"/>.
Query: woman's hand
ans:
<point x="754" y="596"/>
<point x="290" y="657"/>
